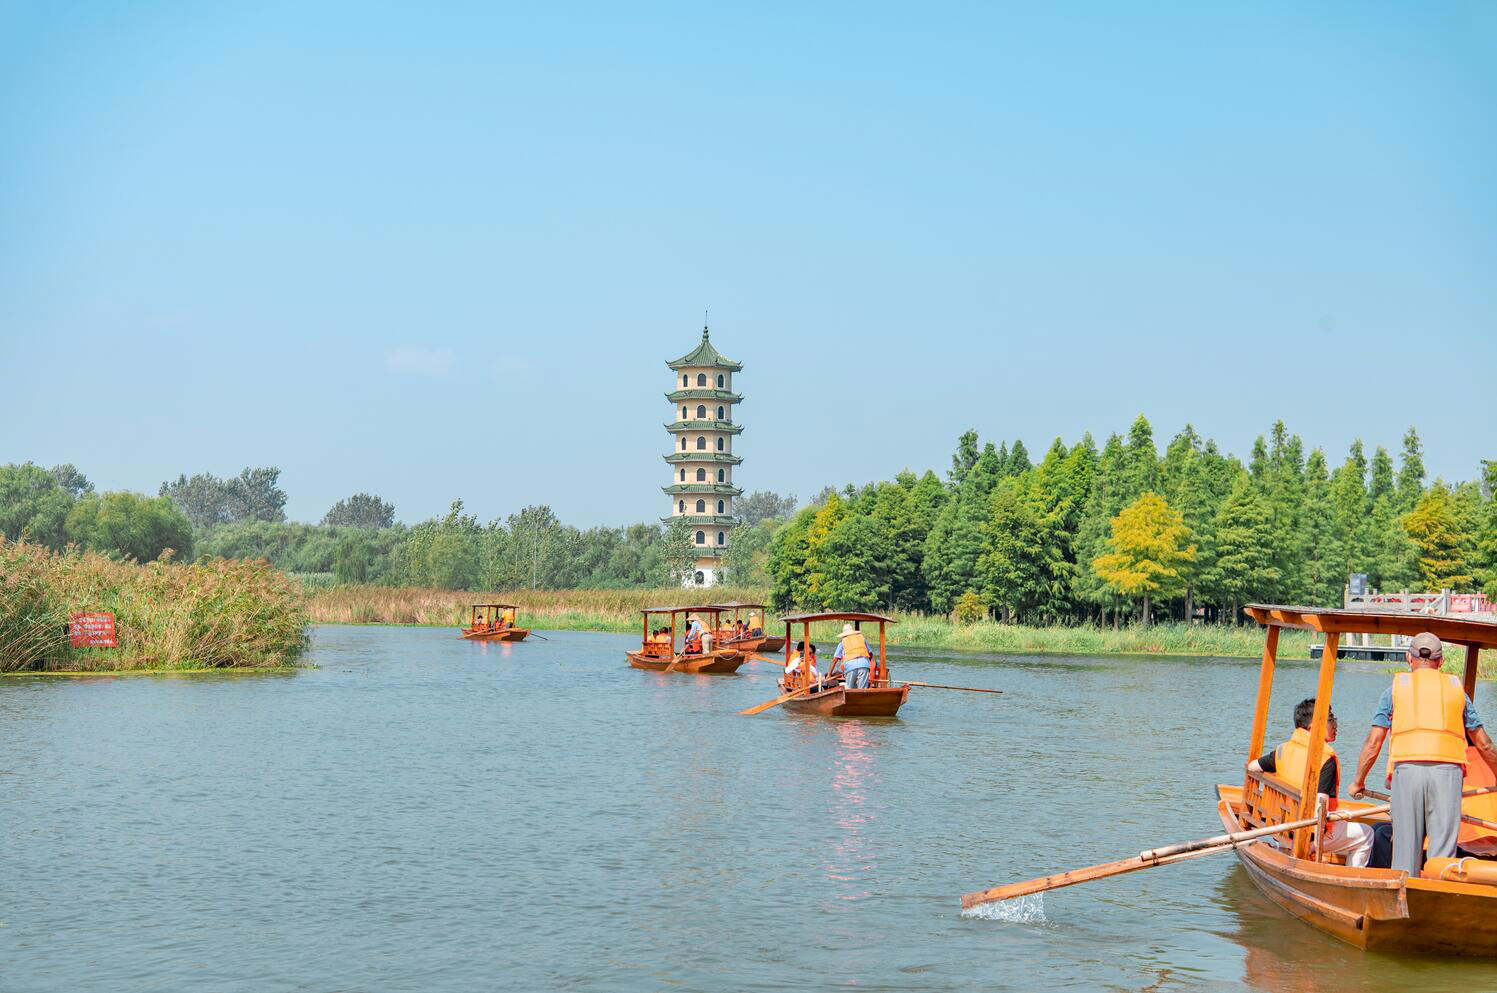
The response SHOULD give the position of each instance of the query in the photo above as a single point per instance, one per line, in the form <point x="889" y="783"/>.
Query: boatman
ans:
<point x="1430" y="717"/>
<point x="1287" y="765"/>
<point x="693" y="644"/>
<point x="852" y="652"/>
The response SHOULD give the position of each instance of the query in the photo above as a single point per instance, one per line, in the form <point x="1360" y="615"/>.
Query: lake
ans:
<point x="421" y="813"/>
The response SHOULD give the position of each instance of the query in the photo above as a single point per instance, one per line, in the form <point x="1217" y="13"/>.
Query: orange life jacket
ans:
<point x="1428" y="719"/>
<point x="855" y="646"/>
<point x="1478" y="776"/>
<point x="1290" y="758"/>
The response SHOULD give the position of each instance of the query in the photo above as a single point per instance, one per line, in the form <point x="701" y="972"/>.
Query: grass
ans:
<point x="618" y="611"/>
<point x="224" y="614"/>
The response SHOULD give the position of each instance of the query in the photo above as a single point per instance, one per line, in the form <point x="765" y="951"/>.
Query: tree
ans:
<point x="955" y="542"/>
<point x="33" y="506"/>
<point x="1244" y="566"/>
<point x="362" y="510"/>
<point x="1023" y="567"/>
<point x="70" y="479"/>
<point x="1410" y="471"/>
<point x="203" y="498"/>
<point x="254" y="496"/>
<point x="1149" y="547"/>
<point x="964" y="458"/>
<point x="1444" y="553"/>
<point x="131" y="526"/>
<point x="763" y="505"/>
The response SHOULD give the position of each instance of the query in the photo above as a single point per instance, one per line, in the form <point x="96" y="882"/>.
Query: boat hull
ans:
<point x="882" y="701"/>
<point x="1377" y="909"/>
<point x="760" y="646"/>
<point x="508" y="634"/>
<point x="714" y="663"/>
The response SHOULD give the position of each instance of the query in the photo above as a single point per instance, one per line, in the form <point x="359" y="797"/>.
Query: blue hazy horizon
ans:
<point x="445" y="254"/>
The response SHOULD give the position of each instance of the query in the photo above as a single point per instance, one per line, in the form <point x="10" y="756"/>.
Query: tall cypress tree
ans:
<point x="1410" y="471"/>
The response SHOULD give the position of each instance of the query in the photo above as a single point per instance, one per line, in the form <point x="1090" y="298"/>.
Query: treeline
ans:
<point x="1125" y="533"/>
<point x="205" y="517"/>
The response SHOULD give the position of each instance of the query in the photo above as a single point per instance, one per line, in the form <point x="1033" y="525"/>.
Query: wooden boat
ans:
<point x="658" y="654"/>
<point x="758" y="638"/>
<point x="493" y="622"/>
<point x="882" y="698"/>
<point x="1377" y="909"/>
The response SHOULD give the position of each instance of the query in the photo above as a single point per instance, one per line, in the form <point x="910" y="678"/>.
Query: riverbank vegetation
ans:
<point x="1122" y="535"/>
<point x="218" y="614"/>
<point x="618" y="611"/>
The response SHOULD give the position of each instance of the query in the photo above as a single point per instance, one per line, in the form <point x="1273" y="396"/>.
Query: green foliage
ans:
<point x="1446" y="552"/>
<point x="33" y="505"/>
<point x="362" y="510"/>
<point x="209" y="501"/>
<point x="762" y="505"/>
<point x="1244" y="569"/>
<point x="131" y="526"/>
<point x="1148" y="551"/>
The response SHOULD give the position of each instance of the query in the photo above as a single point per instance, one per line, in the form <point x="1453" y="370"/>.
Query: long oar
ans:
<point x="1151" y="858"/>
<point x="1172" y="853"/>
<point x="943" y="686"/>
<point x="540" y="636"/>
<point x="674" y="662"/>
<point x="761" y="708"/>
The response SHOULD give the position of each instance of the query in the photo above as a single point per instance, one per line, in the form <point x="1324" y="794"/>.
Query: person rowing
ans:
<point x="854" y="656"/>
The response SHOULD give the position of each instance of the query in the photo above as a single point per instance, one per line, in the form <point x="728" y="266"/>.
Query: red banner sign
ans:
<point x="92" y="630"/>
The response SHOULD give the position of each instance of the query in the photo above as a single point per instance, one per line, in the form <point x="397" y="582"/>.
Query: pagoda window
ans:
<point x="701" y="379"/>
<point x="701" y="412"/>
<point x="701" y="578"/>
<point x="719" y="444"/>
<point x="719" y="506"/>
<point x="719" y="380"/>
<point x="701" y="506"/>
<point x="683" y="413"/>
<point x="719" y="413"/>
<point x="701" y="475"/>
<point x="701" y="537"/>
<point x="722" y="539"/>
<point x="683" y="444"/>
<point x="685" y="380"/>
<point x="701" y="443"/>
<point x="681" y="506"/>
<point x="722" y="475"/>
<point x="683" y="474"/>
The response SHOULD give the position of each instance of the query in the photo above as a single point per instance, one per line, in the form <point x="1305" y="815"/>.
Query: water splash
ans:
<point x="1020" y="910"/>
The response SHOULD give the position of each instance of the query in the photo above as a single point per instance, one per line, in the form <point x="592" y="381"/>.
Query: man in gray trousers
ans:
<point x="1430" y="718"/>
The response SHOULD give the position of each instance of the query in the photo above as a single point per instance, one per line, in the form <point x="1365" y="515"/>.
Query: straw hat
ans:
<point x="847" y="629"/>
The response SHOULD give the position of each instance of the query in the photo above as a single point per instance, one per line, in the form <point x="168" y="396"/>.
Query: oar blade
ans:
<point x="761" y="708"/>
<point x="1054" y="882"/>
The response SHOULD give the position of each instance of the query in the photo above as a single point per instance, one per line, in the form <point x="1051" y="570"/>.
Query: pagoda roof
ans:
<point x="702" y="520"/>
<point x="726" y="427"/>
<point x="705" y="356"/>
<point x="703" y="393"/>
<point x="726" y="489"/>
<point x="689" y="456"/>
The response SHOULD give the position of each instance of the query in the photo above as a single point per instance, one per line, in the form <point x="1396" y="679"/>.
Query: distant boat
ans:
<point x="755" y="639"/>
<point x="493" y="622"/>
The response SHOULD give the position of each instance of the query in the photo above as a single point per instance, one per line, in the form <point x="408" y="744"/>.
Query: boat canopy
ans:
<point x="502" y="606"/>
<point x="735" y="605"/>
<point x="681" y="610"/>
<point x="1455" y="630"/>
<point x="845" y="615"/>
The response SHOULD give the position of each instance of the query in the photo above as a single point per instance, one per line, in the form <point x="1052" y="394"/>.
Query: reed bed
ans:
<point x="618" y="610"/>
<point x="224" y="614"/>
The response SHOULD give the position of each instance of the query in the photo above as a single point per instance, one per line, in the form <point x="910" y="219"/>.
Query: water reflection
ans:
<point x="853" y="767"/>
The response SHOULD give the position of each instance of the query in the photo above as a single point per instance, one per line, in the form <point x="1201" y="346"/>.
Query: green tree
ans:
<point x="1443" y="550"/>
<point x="955" y="542"/>
<point x="362" y="510"/>
<point x="33" y="505"/>
<point x="763" y="505"/>
<point x="130" y="526"/>
<point x="964" y="458"/>
<point x="1148" y="550"/>
<point x="70" y="479"/>
<point x="1410" y="471"/>
<point x="1244" y="567"/>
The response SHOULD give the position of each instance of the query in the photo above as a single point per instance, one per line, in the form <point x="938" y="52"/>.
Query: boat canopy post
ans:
<point x="673" y="634"/>
<point x="644" y="640"/>
<point x="1471" y="653"/>
<point x="1310" y="785"/>
<point x="883" y="665"/>
<point x="1265" y="692"/>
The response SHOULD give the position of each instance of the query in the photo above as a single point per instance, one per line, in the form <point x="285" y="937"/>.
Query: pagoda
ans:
<point x="701" y="457"/>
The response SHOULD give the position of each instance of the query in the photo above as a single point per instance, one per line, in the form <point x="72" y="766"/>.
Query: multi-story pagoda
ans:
<point x="701" y="458"/>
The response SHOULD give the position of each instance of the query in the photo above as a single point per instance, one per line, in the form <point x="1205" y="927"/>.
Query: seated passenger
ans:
<point x="794" y="665"/>
<point x="1286" y="764"/>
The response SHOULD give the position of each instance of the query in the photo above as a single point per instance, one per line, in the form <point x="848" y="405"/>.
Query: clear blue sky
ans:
<point x="443" y="251"/>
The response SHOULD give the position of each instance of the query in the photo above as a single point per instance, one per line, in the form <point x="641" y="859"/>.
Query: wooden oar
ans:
<point x="542" y="637"/>
<point x="674" y="661"/>
<point x="1172" y="853"/>
<point x="943" y="686"/>
<point x="761" y="708"/>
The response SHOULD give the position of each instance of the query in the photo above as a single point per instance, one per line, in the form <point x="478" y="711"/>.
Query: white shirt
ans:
<point x="794" y="666"/>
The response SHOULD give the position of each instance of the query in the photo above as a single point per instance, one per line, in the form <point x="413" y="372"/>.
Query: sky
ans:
<point x="444" y="251"/>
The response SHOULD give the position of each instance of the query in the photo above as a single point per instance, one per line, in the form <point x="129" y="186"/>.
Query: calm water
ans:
<point x="425" y="814"/>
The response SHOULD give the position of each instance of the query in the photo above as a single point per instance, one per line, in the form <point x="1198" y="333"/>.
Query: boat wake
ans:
<point x="1020" y="910"/>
